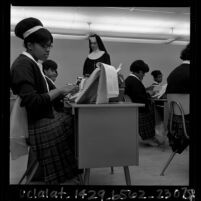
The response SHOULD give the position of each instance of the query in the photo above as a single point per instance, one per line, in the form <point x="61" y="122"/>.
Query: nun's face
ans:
<point x="39" y="51"/>
<point x="93" y="43"/>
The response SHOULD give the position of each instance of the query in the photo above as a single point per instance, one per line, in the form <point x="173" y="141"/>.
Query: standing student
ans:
<point x="179" y="79"/>
<point x="158" y="78"/>
<point x="178" y="82"/>
<point x="50" y="132"/>
<point x="97" y="53"/>
<point x="135" y="89"/>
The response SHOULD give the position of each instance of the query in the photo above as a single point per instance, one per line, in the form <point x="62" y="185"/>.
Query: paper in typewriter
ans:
<point x="100" y="86"/>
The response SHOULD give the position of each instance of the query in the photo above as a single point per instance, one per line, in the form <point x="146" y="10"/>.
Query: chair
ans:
<point x="30" y="172"/>
<point x="32" y="168"/>
<point x="178" y="105"/>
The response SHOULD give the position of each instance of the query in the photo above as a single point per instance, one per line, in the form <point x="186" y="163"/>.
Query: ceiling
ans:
<point x="158" y="23"/>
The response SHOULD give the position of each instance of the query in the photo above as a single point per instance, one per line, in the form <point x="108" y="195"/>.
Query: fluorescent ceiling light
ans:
<point x="76" y="23"/>
<point x="70" y="37"/>
<point x="131" y="40"/>
<point x="117" y="39"/>
<point x="130" y="29"/>
<point x="179" y="42"/>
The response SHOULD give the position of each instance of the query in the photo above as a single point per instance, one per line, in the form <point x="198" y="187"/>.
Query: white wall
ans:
<point x="70" y="56"/>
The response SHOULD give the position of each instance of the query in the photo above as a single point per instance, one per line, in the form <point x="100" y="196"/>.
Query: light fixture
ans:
<point x="77" y="23"/>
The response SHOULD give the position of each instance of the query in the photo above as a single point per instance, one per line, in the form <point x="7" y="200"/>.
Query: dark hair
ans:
<point x="155" y="73"/>
<point x="49" y="64"/>
<point x="41" y="36"/>
<point x="185" y="54"/>
<point x="99" y="42"/>
<point x="139" y="65"/>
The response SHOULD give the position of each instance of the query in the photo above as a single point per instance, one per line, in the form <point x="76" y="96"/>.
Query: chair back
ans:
<point x="18" y="130"/>
<point x="12" y="101"/>
<point x="179" y="105"/>
<point x="183" y="100"/>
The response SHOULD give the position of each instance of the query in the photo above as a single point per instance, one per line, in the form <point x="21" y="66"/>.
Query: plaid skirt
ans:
<point x="147" y="124"/>
<point x="53" y="142"/>
<point x="177" y="139"/>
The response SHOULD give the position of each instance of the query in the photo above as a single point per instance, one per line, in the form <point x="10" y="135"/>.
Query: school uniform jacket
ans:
<point x="28" y="82"/>
<point x="179" y="80"/>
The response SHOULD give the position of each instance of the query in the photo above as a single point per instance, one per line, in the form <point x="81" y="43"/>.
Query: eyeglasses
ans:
<point x="93" y="43"/>
<point x="46" y="46"/>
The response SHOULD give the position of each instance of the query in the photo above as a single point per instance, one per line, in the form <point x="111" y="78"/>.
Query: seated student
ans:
<point x="158" y="77"/>
<point x="50" y="69"/>
<point x="157" y="91"/>
<point x="179" y="83"/>
<point x="51" y="134"/>
<point x="135" y="89"/>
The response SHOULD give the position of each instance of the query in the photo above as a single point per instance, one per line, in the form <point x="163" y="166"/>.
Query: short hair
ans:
<point x="185" y="53"/>
<point x="99" y="42"/>
<point x="155" y="73"/>
<point x="139" y="65"/>
<point x="49" y="64"/>
<point x="41" y="36"/>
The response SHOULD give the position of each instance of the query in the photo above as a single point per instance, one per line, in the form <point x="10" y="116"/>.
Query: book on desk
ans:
<point x="100" y="86"/>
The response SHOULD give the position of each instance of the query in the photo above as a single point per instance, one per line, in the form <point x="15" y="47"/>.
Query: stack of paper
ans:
<point x="100" y="86"/>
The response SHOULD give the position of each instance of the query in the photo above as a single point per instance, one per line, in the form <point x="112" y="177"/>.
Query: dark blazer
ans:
<point x="179" y="80"/>
<point x="28" y="82"/>
<point x="135" y="89"/>
<point x="57" y="103"/>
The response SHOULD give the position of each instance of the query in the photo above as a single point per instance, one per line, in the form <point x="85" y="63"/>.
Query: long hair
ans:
<point x="99" y="42"/>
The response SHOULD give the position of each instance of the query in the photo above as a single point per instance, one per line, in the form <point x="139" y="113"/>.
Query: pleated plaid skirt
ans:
<point x="147" y="124"/>
<point x="53" y="142"/>
<point x="177" y="139"/>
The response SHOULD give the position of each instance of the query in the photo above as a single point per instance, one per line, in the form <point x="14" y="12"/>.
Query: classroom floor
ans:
<point x="151" y="162"/>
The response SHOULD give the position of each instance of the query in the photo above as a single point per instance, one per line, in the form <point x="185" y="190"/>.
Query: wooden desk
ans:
<point x="107" y="134"/>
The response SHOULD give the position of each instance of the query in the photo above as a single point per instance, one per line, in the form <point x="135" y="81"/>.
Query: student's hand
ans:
<point x="86" y="75"/>
<point x="69" y="88"/>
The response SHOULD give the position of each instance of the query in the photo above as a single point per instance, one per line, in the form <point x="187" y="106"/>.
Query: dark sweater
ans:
<point x="179" y="80"/>
<point x="90" y="64"/>
<point x="28" y="82"/>
<point x="135" y="89"/>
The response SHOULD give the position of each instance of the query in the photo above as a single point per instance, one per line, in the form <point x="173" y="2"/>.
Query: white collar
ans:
<point x="30" y="56"/>
<point x="186" y="62"/>
<point x="135" y="76"/>
<point x="38" y="64"/>
<point x="96" y="55"/>
<point x="50" y="80"/>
